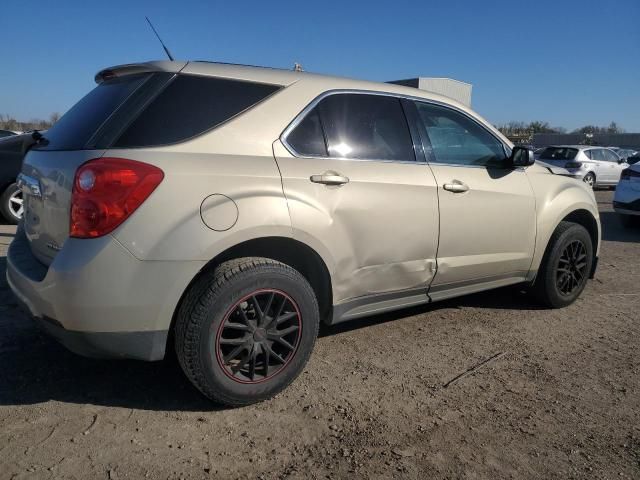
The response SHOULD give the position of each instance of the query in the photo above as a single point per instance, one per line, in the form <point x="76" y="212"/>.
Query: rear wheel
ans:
<point x="590" y="179"/>
<point x="565" y="267"/>
<point x="245" y="331"/>
<point x="11" y="204"/>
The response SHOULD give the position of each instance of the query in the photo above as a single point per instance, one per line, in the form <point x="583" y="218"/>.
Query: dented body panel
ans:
<point x="380" y="229"/>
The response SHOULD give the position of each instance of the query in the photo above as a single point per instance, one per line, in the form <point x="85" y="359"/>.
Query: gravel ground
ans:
<point x="562" y="402"/>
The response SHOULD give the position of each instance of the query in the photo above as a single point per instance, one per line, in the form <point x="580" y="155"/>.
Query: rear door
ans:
<point x="358" y="192"/>
<point x="487" y="209"/>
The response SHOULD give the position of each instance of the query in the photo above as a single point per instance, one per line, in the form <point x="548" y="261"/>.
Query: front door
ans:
<point x="359" y="195"/>
<point x="487" y="210"/>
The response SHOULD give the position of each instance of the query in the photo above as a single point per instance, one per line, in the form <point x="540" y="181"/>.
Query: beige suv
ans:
<point x="227" y="210"/>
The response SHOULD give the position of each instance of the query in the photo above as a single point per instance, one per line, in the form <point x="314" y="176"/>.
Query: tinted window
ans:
<point x="363" y="126"/>
<point x="189" y="106"/>
<point x="307" y="138"/>
<point x="609" y="156"/>
<point x="558" y="153"/>
<point x="77" y="126"/>
<point x="458" y="140"/>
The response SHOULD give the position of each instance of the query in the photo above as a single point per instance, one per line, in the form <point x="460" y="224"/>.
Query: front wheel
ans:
<point x="565" y="267"/>
<point x="245" y="331"/>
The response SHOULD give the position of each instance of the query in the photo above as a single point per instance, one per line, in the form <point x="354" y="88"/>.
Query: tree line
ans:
<point x="523" y="128"/>
<point x="7" y="122"/>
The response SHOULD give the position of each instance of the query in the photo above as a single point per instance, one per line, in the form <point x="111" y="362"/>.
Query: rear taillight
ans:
<point x="573" y="165"/>
<point x="106" y="191"/>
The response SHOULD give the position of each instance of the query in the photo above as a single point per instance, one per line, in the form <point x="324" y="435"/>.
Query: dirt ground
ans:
<point x="563" y="402"/>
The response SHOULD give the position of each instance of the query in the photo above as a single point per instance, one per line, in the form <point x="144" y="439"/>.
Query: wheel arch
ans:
<point x="580" y="216"/>
<point x="282" y="249"/>
<point x="587" y="220"/>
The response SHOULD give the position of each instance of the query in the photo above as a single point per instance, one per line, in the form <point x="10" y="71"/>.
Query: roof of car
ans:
<point x="271" y="75"/>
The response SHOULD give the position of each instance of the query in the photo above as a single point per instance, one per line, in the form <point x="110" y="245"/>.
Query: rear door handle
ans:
<point x="329" y="178"/>
<point x="456" y="187"/>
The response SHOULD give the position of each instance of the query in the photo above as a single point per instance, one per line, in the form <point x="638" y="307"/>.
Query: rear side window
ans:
<point x="597" y="154"/>
<point x="308" y="138"/>
<point x="355" y="126"/>
<point x="77" y="126"/>
<point x="558" y="153"/>
<point x="189" y="106"/>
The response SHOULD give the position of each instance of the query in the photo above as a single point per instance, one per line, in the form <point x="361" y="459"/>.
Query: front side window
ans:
<point x="355" y="126"/>
<point x="456" y="139"/>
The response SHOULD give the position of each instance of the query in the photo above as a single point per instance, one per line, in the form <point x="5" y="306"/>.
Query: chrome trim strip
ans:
<point x="294" y="123"/>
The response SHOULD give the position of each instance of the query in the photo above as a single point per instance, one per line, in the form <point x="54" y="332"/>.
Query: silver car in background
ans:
<point x="597" y="166"/>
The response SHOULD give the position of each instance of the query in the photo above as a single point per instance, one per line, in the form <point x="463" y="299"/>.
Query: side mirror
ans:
<point x="522" y="157"/>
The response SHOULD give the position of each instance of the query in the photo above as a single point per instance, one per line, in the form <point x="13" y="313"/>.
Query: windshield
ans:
<point x="558" y="153"/>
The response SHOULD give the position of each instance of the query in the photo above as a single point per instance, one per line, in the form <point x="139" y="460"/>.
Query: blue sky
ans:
<point x="567" y="62"/>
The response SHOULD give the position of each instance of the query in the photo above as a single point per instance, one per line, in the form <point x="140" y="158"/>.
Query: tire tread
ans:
<point x="192" y="313"/>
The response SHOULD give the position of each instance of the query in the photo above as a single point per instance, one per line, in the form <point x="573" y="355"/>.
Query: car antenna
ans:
<point x="166" y="50"/>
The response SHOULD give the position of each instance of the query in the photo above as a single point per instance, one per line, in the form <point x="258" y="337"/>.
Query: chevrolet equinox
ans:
<point x="225" y="211"/>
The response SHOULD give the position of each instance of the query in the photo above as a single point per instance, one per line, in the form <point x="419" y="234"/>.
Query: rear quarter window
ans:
<point x="191" y="105"/>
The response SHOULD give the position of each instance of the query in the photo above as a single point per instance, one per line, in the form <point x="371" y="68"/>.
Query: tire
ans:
<point x="11" y="204"/>
<point x="556" y="275"/>
<point x="218" y="316"/>
<point x="590" y="179"/>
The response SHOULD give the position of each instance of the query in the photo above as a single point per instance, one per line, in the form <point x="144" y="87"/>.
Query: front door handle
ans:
<point x="329" y="178"/>
<point x="456" y="187"/>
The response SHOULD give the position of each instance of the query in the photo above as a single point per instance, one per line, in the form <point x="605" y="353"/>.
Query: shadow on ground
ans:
<point x="36" y="369"/>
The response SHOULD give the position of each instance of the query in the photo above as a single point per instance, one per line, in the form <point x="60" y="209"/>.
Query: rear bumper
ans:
<point x="97" y="299"/>
<point x="149" y="346"/>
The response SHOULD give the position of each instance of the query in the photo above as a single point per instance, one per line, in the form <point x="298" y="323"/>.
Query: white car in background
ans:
<point x="626" y="201"/>
<point x="597" y="166"/>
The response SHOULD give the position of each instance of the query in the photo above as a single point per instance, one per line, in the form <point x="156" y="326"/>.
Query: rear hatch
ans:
<point x="82" y="134"/>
